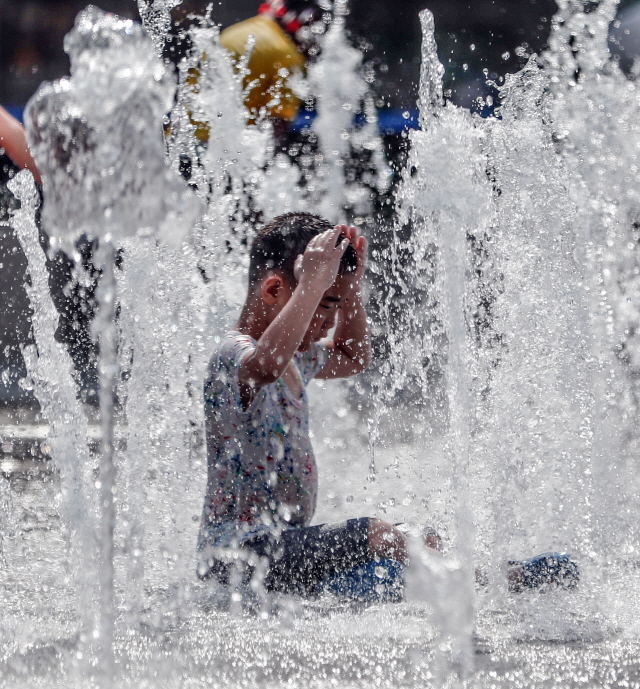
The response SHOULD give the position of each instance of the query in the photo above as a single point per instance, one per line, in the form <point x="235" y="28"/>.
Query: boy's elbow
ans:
<point x="363" y="363"/>
<point x="269" y="378"/>
<point x="264" y="378"/>
<point x="359" y="362"/>
<point x="365" y="357"/>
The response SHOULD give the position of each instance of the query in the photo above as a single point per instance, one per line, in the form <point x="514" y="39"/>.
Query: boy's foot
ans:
<point x="547" y="569"/>
<point x="429" y="535"/>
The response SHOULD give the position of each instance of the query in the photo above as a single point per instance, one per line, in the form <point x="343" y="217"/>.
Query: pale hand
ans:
<point x="320" y="262"/>
<point x="359" y="243"/>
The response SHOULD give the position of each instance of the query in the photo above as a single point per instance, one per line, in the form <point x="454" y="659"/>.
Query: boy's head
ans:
<point x="279" y="243"/>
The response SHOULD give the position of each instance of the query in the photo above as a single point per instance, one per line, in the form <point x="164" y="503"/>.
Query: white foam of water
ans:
<point x="102" y="163"/>
<point x="516" y="222"/>
<point x="50" y="372"/>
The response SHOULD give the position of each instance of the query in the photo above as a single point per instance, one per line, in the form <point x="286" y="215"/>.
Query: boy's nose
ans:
<point x="329" y="322"/>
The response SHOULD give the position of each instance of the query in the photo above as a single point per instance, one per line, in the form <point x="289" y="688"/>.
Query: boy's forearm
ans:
<point x="352" y="333"/>
<point x="282" y="338"/>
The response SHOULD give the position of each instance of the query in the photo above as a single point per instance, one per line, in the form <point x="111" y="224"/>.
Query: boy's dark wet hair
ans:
<point x="279" y="243"/>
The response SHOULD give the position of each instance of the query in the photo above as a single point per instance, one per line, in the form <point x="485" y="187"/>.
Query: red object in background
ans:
<point x="275" y="8"/>
<point x="292" y="26"/>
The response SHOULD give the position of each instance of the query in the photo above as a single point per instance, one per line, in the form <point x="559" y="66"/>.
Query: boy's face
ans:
<point x="326" y="315"/>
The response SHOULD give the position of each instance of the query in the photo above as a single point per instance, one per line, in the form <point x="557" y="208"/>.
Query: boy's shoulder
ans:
<point x="234" y="346"/>
<point x="230" y="350"/>
<point x="234" y="341"/>
<point x="221" y="385"/>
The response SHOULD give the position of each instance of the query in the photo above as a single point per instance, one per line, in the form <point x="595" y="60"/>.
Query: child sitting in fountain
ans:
<point x="304" y="278"/>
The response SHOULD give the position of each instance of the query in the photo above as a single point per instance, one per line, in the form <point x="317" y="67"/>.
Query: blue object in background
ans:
<point x="389" y="121"/>
<point x="379" y="581"/>
<point x="16" y="110"/>
<point x="304" y="120"/>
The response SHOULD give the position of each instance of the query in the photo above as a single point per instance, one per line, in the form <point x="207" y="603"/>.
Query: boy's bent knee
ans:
<point x="385" y="541"/>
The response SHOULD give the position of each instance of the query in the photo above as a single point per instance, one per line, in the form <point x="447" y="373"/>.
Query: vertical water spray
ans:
<point x="535" y="416"/>
<point x="444" y="196"/>
<point x="339" y="90"/>
<point x="193" y="294"/>
<point x="50" y="373"/>
<point x="156" y="19"/>
<point x="342" y="91"/>
<point x="97" y="141"/>
<point x="595" y="109"/>
<point x="226" y="156"/>
<point x="105" y="328"/>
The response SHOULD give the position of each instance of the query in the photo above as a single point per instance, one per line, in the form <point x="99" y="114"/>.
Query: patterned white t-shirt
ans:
<point x="261" y="467"/>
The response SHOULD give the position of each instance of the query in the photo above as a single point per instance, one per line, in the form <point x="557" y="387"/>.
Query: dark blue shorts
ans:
<point x="298" y="560"/>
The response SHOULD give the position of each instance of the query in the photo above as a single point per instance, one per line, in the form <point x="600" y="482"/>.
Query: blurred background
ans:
<point x="493" y="35"/>
<point x="478" y="41"/>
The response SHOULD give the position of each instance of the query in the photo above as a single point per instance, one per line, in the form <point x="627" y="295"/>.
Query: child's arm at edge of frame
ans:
<point x="14" y="142"/>
<point x="350" y="351"/>
<point x="317" y="269"/>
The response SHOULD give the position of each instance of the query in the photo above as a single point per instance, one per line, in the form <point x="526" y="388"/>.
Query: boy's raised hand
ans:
<point x="320" y="262"/>
<point x="359" y="243"/>
<point x="350" y="350"/>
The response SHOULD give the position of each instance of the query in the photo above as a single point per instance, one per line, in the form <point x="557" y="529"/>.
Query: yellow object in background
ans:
<point x="274" y="59"/>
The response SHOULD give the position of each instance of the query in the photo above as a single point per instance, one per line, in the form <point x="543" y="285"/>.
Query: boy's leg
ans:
<point x="299" y="559"/>
<point x="387" y="542"/>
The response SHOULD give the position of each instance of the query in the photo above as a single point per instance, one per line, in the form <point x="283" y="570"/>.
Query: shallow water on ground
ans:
<point x="187" y="637"/>
<point x="195" y="634"/>
<point x="550" y="473"/>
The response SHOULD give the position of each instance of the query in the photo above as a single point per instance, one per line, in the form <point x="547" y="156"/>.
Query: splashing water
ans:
<point x="156" y="19"/>
<point x="50" y="373"/>
<point x="600" y="147"/>
<point x="79" y="127"/>
<point x="341" y="92"/>
<point x="446" y="155"/>
<point x="81" y="132"/>
<point x="506" y="409"/>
